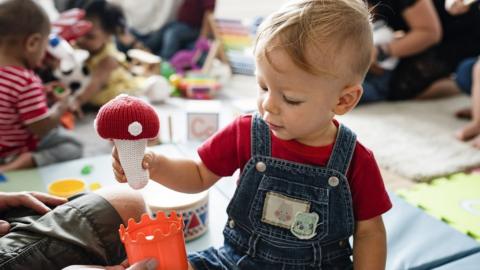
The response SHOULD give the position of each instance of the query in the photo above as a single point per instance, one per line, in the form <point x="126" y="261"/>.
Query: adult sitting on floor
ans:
<point x="421" y="29"/>
<point x="82" y="230"/>
<point x="432" y="45"/>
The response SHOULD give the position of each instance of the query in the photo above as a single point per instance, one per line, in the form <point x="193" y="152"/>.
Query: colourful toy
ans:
<point x="203" y="118"/>
<point x="94" y="186"/>
<point x="193" y="207"/>
<point x="87" y="169"/>
<point x="70" y="25"/>
<point x="159" y="238"/>
<point x="237" y="41"/>
<point x="143" y="62"/>
<point x="66" y="187"/>
<point x="130" y="122"/>
<point x="185" y="60"/>
<point x="195" y="86"/>
<point x="3" y="178"/>
<point x="166" y="70"/>
<point x="68" y="120"/>
<point x="59" y="91"/>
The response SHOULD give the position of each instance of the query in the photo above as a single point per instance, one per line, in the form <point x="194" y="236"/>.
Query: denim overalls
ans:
<point x="286" y="215"/>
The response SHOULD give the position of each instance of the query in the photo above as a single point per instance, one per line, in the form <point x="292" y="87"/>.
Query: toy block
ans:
<point x="202" y="120"/>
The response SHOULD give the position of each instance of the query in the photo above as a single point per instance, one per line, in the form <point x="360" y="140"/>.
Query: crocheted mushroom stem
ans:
<point x="130" y="153"/>
<point x="129" y="122"/>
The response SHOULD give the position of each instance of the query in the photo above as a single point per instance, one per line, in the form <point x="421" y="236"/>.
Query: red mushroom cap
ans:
<point x="127" y="118"/>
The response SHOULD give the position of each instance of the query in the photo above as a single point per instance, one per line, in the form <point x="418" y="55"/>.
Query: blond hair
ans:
<point x="330" y="27"/>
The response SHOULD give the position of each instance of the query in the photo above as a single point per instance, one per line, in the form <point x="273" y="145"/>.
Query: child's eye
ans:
<point x="264" y="89"/>
<point x="291" y="102"/>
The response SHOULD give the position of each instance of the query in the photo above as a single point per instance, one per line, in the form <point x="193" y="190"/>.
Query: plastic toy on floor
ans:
<point x="130" y="122"/>
<point x="156" y="87"/>
<point x="66" y="187"/>
<point x="195" y="85"/>
<point x="144" y="63"/>
<point x="185" y="60"/>
<point x="160" y="238"/>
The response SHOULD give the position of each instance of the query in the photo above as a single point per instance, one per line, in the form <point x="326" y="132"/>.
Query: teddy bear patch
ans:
<point x="304" y="225"/>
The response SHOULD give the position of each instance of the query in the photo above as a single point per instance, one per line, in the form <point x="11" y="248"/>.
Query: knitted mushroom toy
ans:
<point x="129" y="122"/>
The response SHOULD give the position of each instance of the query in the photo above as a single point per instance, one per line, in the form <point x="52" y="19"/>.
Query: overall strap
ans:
<point x="260" y="136"/>
<point x="342" y="150"/>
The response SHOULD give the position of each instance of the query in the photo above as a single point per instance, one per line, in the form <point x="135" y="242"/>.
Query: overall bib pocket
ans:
<point x="290" y="213"/>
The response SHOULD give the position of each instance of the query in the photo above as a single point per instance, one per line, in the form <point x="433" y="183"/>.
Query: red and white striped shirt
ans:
<point x="22" y="102"/>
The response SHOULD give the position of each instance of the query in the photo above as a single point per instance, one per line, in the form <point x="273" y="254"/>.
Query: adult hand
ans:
<point x="34" y="200"/>
<point x="148" y="264"/>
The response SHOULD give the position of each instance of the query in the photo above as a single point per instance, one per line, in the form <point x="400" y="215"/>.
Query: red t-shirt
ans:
<point x="22" y="102"/>
<point x="230" y="149"/>
<point x="191" y="12"/>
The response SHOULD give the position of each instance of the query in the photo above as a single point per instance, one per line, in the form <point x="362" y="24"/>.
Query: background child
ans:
<point x="468" y="79"/>
<point x="188" y="26"/>
<point x="306" y="184"/>
<point x="29" y="132"/>
<point x="109" y="75"/>
<point x="178" y="33"/>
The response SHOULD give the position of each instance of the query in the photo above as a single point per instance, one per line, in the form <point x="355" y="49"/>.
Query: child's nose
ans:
<point x="269" y="104"/>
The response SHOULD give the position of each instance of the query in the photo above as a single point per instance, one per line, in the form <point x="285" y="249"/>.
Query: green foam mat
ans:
<point x="455" y="200"/>
<point x="23" y="180"/>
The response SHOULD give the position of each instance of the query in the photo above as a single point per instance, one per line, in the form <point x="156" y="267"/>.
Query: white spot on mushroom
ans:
<point x="135" y="128"/>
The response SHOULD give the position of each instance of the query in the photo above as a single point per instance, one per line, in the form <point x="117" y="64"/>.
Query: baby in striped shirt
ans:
<point x="29" y="130"/>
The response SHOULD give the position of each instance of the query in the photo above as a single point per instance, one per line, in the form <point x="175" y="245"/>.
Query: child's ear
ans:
<point x="348" y="99"/>
<point x="33" y="42"/>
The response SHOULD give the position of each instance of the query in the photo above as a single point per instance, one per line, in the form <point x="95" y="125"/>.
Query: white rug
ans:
<point x="415" y="139"/>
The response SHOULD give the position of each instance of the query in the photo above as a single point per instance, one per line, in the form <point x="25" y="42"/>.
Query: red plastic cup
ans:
<point x="160" y="238"/>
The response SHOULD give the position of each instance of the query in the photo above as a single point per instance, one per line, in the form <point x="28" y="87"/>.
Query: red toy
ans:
<point x="130" y="122"/>
<point x="70" y="25"/>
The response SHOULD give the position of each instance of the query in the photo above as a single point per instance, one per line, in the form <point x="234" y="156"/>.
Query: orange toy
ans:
<point x="160" y="238"/>
<point x="68" y="120"/>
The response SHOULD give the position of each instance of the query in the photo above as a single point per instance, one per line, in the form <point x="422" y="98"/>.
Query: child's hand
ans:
<point x="75" y="107"/>
<point x="117" y="167"/>
<point x="34" y="200"/>
<point x="57" y="90"/>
